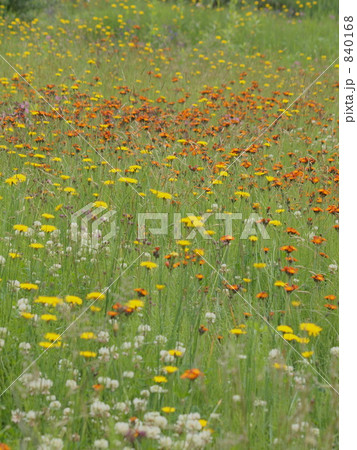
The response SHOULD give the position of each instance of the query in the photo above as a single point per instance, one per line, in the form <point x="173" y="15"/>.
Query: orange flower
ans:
<point x="4" y="446"/>
<point x="262" y="295"/>
<point x="227" y="239"/>
<point x="289" y="270"/>
<point x="292" y="231"/>
<point x="288" y="248"/>
<point x="291" y="288"/>
<point x="318" y="240"/>
<point x="318" y="277"/>
<point x="191" y="374"/>
<point x="331" y="307"/>
<point x="141" y="292"/>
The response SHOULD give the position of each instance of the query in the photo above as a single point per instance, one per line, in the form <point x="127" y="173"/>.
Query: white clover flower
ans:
<point x="25" y="347"/>
<point x="103" y="337"/>
<point x="99" y="409"/>
<point x="128" y="374"/>
<point x="55" y="405"/>
<point x="101" y="443"/>
<point x="150" y="432"/>
<point x="71" y="384"/>
<point x="165" y="443"/>
<point x="121" y="428"/>
<point x="210" y="317"/>
<point x="140" y="404"/>
<point x="142" y="329"/>
<point x="160" y="340"/>
<point x="154" y="418"/>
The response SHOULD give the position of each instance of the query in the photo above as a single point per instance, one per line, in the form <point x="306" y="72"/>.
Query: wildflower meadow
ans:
<point x="169" y="224"/>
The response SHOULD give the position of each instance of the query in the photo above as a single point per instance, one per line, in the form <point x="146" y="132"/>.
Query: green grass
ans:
<point x="177" y="91"/>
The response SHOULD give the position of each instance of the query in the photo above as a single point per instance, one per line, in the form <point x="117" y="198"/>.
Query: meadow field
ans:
<point x="169" y="225"/>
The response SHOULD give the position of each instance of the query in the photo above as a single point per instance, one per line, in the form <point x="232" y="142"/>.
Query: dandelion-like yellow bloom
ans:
<point x="29" y="286"/>
<point x="48" y="228"/>
<point x="284" y="329"/>
<point x="88" y="354"/>
<point x="135" y="304"/>
<point x="160" y="379"/>
<point x="311" y="328"/>
<point x="95" y="296"/>
<point x="148" y="264"/>
<point x="88" y="335"/>
<point x="21" y="228"/>
<point x="36" y="245"/>
<point x="168" y="409"/>
<point x="52" y="301"/>
<point x="170" y="369"/>
<point x="48" y="317"/>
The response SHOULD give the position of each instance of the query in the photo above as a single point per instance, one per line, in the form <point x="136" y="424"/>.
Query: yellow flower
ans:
<point x="36" y="245"/>
<point x="135" y="304"/>
<point x="284" y="329"/>
<point x="160" y="379"/>
<point x="48" y="216"/>
<point x="48" y="228"/>
<point x="95" y="308"/>
<point x="88" y="335"/>
<point x="148" y="264"/>
<point x="170" y="369"/>
<point x="52" y="301"/>
<point x="183" y="243"/>
<point x="290" y="337"/>
<point x="88" y="354"/>
<point x="242" y="194"/>
<point x="27" y="315"/>
<point x="95" y="296"/>
<point x="73" y="299"/>
<point x="48" y="317"/>
<point x="99" y="204"/>
<point x="280" y="283"/>
<point x="237" y="331"/>
<point x="50" y="344"/>
<point x="302" y="340"/>
<point x="168" y="409"/>
<point x="14" y="255"/>
<point x="128" y="180"/>
<point x="259" y="265"/>
<point x="21" y="228"/>
<point x="307" y="354"/>
<point x="253" y="238"/>
<point x="29" y="286"/>
<point x="69" y="189"/>
<point x="203" y="422"/>
<point x="159" y="287"/>
<point x="52" y="336"/>
<point x="175" y="353"/>
<point x="311" y="328"/>
<point x="275" y="223"/>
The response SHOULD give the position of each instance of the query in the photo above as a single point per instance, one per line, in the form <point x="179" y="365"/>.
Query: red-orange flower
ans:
<point x="191" y="374"/>
<point x="318" y="277"/>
